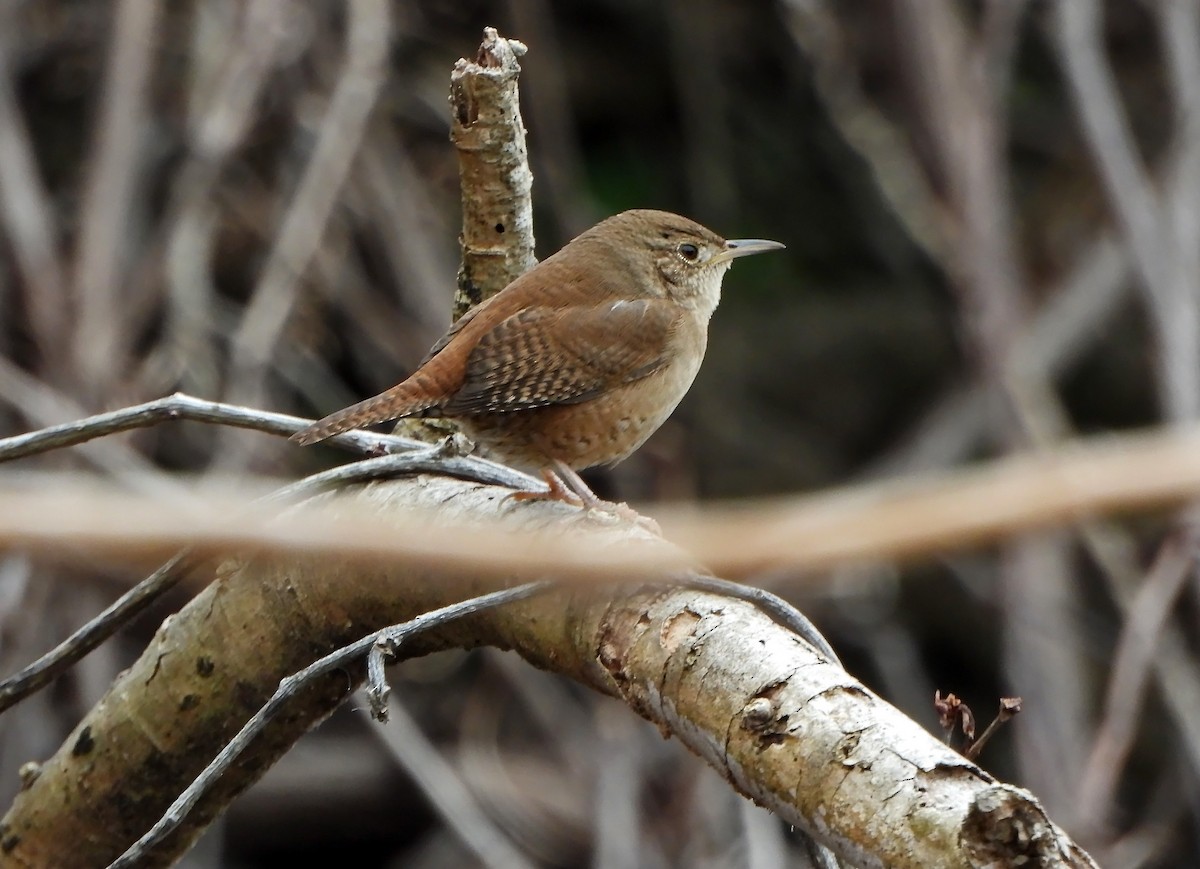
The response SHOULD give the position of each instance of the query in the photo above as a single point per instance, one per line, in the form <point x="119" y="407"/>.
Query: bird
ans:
<point x="579" y="360"/>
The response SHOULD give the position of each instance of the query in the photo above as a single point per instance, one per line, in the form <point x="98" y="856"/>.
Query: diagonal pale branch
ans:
<point x="783" y="724"/>
<point x="1138" y="645"/>
<point x="1160" y="262"/>
<point x="894" y="519"/>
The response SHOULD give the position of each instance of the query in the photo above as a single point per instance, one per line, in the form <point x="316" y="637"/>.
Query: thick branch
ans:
<point x="785" y="726"/>
<point x="487" y="131"/>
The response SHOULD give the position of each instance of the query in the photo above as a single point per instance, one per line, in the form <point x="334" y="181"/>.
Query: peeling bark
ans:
<point x="487" y="130"/>
<point x="785" y="727"/>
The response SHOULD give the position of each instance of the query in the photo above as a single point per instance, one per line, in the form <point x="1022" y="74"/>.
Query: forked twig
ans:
<point x="95" y="631"/>
<point x="416" y="458"/>
<point x="290" y="686"/>
<point x="182" y="406"/>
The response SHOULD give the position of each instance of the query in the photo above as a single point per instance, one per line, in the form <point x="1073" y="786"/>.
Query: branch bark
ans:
<point x="783" y="725"/>
<point x="493" y="167"/>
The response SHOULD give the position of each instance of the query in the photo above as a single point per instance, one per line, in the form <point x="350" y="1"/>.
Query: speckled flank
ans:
<point x="601" y="431"/>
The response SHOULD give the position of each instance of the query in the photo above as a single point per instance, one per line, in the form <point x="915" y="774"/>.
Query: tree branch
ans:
<point x="493" y="167"/>
<point x="99" y="628"/>
<point x="344" y="658"/>
<point x="740" y="690"/>
<point x="895" y="519"/>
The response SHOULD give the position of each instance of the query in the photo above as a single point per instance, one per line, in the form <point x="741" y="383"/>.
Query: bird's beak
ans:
<point x="746" y="246"/>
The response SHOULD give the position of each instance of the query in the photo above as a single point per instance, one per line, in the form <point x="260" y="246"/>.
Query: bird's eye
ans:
<point x="689" y="251"/>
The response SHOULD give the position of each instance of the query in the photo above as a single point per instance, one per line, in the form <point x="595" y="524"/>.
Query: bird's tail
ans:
<point x="405" y="399"/>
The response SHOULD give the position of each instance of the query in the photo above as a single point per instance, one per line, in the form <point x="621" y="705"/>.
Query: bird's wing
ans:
<point x="543" y="356"/>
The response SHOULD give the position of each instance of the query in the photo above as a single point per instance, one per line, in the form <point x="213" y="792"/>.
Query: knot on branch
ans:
<point x="1005" y="826"/>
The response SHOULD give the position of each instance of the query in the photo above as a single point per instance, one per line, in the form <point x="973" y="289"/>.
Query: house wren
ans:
<point x="579" y="360"/>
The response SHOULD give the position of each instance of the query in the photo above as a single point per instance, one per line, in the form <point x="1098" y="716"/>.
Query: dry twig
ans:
<point x="290" y="687"/>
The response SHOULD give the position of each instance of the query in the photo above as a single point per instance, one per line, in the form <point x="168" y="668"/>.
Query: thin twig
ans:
<point x="337" y="144"/>
<point x="1156" y="256"/>
<point x="185" y="407"/>
<point x="51" y="665"/>
<point x="28" y="216"/>
<point x="109" y="198"/>
<point x="95" y="631"/>
<point x="40" y="403"/>
<point x="1132" y="664"/>
<point x="1009" y="706"/>
<point x="780" y="611"/>
<point x="175" y="407"/>
<point x="446" y="792"/>
<point x="292" y="685"/>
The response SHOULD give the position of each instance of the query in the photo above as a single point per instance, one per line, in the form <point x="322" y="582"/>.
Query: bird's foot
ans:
<point x="556" y="490"/>
<point x="564" y="484"/>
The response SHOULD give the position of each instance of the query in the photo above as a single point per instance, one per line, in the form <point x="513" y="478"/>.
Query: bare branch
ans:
<point x="38" y="402"/>
<point x="175" y="407"/>
<point x="897" y="519"/>
<point x="86" y="638"/>
<point x="29" y="219"/>
<point x="1172" y="301"/>
<point x="1132" y="664"/>
<point x="186" y="407"/>
<point x="291" y="687"/>
<point x="95" y="631"/>
<point x="108" y="203"/>
<point x="337" y="145"/>
<point x="665" y="652"/>
<point x="489" y="135"/>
